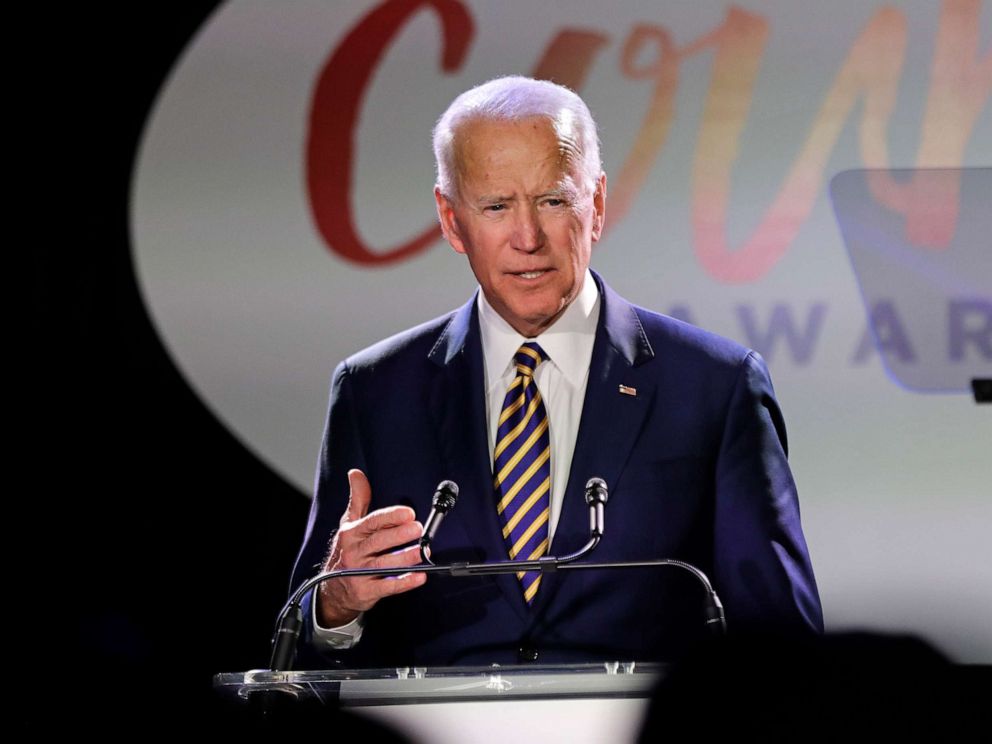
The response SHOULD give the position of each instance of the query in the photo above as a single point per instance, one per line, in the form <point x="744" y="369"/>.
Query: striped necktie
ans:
<point x="522" y="467"/>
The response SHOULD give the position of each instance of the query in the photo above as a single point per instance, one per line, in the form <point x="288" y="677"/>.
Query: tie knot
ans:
<point x="528" y="356"/>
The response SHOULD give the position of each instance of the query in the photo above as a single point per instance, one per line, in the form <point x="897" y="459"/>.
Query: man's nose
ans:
<point x="528" y="234"/>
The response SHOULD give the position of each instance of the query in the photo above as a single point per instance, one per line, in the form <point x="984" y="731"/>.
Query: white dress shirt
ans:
<point x="562" y="381"/>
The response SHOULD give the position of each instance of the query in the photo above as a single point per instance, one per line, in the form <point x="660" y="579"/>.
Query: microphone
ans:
<point x="290" y="619"/>
<point x="596" y="497"/>
<point x="443" y="502"/>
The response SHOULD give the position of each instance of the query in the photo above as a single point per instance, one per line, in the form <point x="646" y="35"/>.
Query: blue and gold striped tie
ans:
<point x="522" y="467"/>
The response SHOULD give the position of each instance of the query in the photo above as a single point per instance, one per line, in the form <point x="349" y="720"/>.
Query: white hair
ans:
<point x="514" y="98"/>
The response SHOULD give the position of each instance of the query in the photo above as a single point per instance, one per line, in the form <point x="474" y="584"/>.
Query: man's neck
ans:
<point x="574" y="318"/>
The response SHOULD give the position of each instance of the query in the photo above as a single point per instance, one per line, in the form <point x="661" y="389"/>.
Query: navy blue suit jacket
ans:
<point x="696" y="467"/>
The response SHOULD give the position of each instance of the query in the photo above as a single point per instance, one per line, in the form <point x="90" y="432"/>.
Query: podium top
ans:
<point x="405" y="685"/>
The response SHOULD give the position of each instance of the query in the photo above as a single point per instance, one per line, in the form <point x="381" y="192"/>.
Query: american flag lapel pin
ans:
<point x="626" y="390"/>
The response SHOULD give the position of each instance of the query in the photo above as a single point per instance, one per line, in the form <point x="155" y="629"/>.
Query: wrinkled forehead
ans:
<point x="482" y="144"/>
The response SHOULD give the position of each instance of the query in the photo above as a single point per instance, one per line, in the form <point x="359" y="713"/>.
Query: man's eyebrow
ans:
<point x="563" y="191"/>
<point x="559" y="191"/>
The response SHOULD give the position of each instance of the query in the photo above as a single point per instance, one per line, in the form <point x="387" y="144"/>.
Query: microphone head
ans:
<point x="445" y="496"/>
<point x="596" y="491"/>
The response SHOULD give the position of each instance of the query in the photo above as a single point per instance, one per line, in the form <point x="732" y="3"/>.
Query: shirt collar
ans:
<point x="568" y="342"/>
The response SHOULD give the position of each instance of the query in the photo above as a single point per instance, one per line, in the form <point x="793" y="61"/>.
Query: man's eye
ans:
<point x="555" y="202"/>
<point x="495" y="208"/>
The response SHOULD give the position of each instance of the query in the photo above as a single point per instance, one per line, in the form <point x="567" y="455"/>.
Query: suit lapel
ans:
<point x="610" y="424"/>
<point x="459" y="406"/>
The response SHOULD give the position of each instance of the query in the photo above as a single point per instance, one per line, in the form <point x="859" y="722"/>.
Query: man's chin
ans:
<point x="534" y="322"/>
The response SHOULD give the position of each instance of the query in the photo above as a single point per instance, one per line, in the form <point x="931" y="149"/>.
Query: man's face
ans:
<point x="525" y="216"/>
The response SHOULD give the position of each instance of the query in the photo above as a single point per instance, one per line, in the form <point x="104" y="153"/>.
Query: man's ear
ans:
<point x="449" y="222"/>
<point x="599" y="207"/>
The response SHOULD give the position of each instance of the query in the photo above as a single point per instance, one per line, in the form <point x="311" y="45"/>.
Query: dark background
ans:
<point x="165" y="547"/>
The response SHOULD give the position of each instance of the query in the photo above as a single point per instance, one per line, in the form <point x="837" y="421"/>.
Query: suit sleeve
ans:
<point x="762" y="566"/>
<point x="340" y="451"/>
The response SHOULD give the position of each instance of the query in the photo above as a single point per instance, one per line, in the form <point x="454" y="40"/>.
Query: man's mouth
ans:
<point x="530" y="274"/>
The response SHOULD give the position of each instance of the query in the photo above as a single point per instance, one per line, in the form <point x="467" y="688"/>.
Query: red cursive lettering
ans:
<point x="336" y="104"/>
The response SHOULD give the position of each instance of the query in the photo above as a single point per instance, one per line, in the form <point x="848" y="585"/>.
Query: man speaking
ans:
<point x="542" y="380"/>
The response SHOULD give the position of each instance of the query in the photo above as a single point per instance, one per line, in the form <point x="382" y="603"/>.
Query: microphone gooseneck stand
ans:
<point x="290" y="619"/>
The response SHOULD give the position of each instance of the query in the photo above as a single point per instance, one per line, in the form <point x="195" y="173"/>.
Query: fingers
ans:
<point x="388" y="517"/>
<point x="387" y="585"/>
<point x="387" y="541"/>
<point x="383" y="529"/>
<point x="400" y="584"/>
<point x="368" y="540"/>
<point x="341" y="600"/>
<point x="360" y="496"/>
<point x="359" y="499"/>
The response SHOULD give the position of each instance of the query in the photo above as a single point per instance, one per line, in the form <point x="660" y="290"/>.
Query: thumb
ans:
<point x="360" y="496"/>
